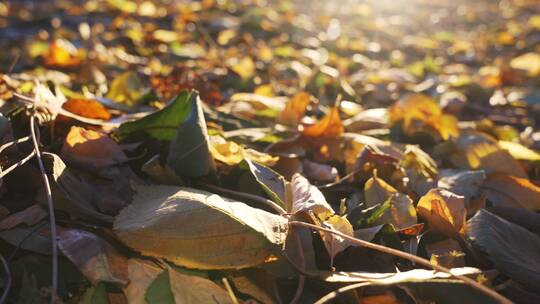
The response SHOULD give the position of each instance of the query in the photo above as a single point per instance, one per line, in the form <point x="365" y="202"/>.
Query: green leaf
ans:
<point x="161" y="125"/>
<point x="368" y="216"/>
<point x="159" y="290"/>
<point x="189" y="152"/>
<point x="198" y="229"/>
<point x="514" y="250"/>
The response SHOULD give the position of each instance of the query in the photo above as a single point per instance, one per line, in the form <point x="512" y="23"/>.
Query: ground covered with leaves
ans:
<point x="264" y="151"/>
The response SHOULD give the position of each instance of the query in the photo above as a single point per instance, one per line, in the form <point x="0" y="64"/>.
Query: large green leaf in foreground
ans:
<point x="199" y="229"/>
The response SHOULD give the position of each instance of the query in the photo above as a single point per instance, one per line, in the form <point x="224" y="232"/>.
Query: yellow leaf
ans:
<point x="126" y="89"/>
<point x="444" y="211"/>
<point x="420" y="113"/>
<point x="529" y="62"/>
<point x="479" y="151"/>
<point x="63" y="54"/>
<point x="245" y="68"/>
<point x="264" y="90"/>
<point x="294" y="110"/>
<point x="519" y="151"/>
<point x="330" y="126"/>
<point x="511" y="191"/>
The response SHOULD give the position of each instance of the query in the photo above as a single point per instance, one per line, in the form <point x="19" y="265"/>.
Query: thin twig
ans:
<point x="7" y="286"/>
<point x="230" y="290"/>
<point x="245" y="196"/>
<point x="404" y="255"/>
<point x="301" y="277"/>
<point x="52" y="219"/>
<point x="334" y="294"/>
<point x="17" y="164"/>
<point x="15" y="142"/>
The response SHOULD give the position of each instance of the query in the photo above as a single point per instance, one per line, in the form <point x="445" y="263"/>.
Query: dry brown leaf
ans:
<point x="91" y="149"/>
<point x="444" y="211"/>
<point x="96" y="258"/>
<point x="330" y="126"/>
<point x="29" y="216"/>
<point x="198" y="229"/>
<point x="141" y="274"/>
<point x="188" y="289"/>
<point x="511" y="191"/>
<point x="294" y="110"/>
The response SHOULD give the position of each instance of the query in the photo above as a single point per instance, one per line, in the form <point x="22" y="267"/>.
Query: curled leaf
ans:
<point x="330" y="126"/>
<point x="444" y="211"/>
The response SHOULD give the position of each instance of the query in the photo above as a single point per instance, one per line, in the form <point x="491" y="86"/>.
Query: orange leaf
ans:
<point x="87" y="108"/>
<point x="444" y="211"/>
<point x="294" y="110"/>
<point x="91" y="149"/>
<point x="330" y="125"/>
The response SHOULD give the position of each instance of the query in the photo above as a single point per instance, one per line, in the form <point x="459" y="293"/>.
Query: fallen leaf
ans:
<point x="188" y="289"/>
<point x="511" y="191"/>
<point x="87" y="108"/>
<point x="29" y="216"/>
<point x="272" y="182"/>
<point x="244" y="67"/>
<point x="189" y="152"/>
<point x="91" y="149"/>
<point x="141" y="274"/>
<point x="294" y="110"/>
<point x="239" y="236"/>
<point x="160" y="125"/>
<point x="330" y="126"/>
<point x="519" y="151"/>
<point x="257" y="283"/>
<point x="478" y="151"/>
<point x="320" y="172"/>
<point x="514" y="250"/>
<point x="126" y="89"/>
<point x="528" y="62"/>
<point x="400" y="212"/>
<point x="70" y="194"/>
<point x="62" y="54"/>
<point x="466" y="183"/>
<point x="420" y="113"/>
<point x="307" y="198"/>
<point x="444" y="211"/>
<point x="96" y="258"/>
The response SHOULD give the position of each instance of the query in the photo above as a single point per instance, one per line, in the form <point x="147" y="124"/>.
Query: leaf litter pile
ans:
<point x="270" y="151"/>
